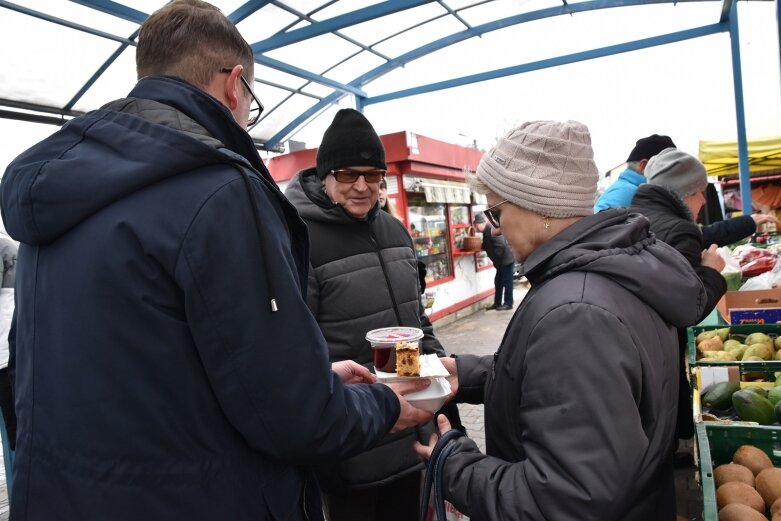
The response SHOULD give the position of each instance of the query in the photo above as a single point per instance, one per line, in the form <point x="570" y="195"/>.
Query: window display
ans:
<point x="460" y="227"/>
<point x="482" y="260"/>
<point x="429" y="230"/>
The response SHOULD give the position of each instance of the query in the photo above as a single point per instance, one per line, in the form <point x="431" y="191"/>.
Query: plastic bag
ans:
<point x="767" y="280"/>
<point x="731" y="272"/>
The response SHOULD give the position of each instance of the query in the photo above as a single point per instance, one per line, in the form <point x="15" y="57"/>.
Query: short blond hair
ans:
<point x="192" y="40"/>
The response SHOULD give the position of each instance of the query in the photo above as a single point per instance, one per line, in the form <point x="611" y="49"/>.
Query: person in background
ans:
<point x="598" y="323"/>
<point x="362" y="277"/>
<point x="501" y="255"/>
<point x="620" y="193"/>
<point x="383" y="200"/>
<point x="671" y="200"/>
<point x="166" y="365"/>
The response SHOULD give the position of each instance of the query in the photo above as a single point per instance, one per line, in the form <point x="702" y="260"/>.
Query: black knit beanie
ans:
<point x="648" y="147"/>
<point x="349" y="141"/>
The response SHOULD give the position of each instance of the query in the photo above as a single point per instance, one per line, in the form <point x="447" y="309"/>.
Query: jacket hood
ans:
<point x="657" y="195"/>
<point x="94" y="160"/>
<point x="306" y="193"/>
<point x="619" y="246"/>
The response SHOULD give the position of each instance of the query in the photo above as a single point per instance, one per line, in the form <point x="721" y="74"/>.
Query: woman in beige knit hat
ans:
<point x="580" y="397"/>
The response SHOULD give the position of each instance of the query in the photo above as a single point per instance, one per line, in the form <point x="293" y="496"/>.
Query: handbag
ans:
<point x="442" y="510"/>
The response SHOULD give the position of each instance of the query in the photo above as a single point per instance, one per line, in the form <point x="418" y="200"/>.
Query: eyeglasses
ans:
<point x="492" y="215"/>
<point x="254" y="111"/>
<point x="348" y="175"/>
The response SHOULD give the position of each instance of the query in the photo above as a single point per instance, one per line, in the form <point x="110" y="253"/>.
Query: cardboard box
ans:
<point x="751" y="307"/>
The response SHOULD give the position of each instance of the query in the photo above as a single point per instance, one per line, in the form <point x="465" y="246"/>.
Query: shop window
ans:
<point x="431" y="236"/>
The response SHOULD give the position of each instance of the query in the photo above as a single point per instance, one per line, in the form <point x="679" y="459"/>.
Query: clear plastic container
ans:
<point x="383" y="342"/>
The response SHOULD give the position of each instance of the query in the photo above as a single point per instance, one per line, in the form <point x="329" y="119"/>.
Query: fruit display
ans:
<point x="720" y="345"/>
<point x="746" y="402"/>
<point x="749" y="487"/>
<point x="760" y="345"/>
<point x="738" y="472"/>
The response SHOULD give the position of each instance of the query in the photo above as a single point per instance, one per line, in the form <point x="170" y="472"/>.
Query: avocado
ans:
<point x="756" y="389"/>
<point x="752" y="407"/>
<point x="720" y="395"/>
<point x="774" y="395"/>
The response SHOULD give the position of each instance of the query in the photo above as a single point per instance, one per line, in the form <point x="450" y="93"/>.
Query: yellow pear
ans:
<point x="706" y="335"/>
<point x="758" y="338"/>
<point x="711" y="344"/>
<point x="764" y="351"/>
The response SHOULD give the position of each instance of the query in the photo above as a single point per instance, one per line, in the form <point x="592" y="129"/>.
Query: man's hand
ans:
<point x="761" y="218"/>
<point x="712" y="259"/>
<point x="424" y="451"/>
<point x="409" y="416"/>
<point x="452" y="368"/>
<point x="350" y="372"/>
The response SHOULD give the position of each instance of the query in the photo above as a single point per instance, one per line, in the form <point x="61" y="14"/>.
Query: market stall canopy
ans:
<point x="721" y="157"/>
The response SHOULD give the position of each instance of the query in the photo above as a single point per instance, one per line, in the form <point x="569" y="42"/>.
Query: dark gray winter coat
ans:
<point x="363" y="276"/>
<point x="580" y="397"/>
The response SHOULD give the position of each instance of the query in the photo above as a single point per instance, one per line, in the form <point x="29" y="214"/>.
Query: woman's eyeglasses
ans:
<point x="492" y="215"/>
<point x="348" y="175"/>
<point x="256" y="108"/>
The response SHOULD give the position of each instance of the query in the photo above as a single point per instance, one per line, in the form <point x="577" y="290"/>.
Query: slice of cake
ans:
<point x="407" y="359"/>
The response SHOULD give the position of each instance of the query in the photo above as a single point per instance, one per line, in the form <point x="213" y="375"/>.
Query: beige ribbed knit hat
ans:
<point x="544" y="166"/>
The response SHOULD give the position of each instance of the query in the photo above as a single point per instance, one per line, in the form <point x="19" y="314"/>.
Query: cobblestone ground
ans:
<point x="480" y="334"/>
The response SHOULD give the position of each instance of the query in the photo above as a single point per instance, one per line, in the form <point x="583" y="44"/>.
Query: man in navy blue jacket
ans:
<point x="164" y="361"/>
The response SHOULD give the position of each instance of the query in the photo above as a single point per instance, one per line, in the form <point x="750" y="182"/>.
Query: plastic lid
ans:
<point x="391" y="335"/>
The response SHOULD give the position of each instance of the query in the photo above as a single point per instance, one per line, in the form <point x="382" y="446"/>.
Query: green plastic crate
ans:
<point x="717" y="443"/>
<point x="769" y="366"/>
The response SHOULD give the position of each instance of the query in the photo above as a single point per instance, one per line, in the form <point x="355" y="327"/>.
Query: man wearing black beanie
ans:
<point x="621" y="192"/>
<point x="363" y="276"/>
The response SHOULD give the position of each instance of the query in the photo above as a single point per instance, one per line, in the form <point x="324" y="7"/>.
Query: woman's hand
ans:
<point x="424" y="451"/>
<point x="712" y="259"/>
<point x="353" y="373"/>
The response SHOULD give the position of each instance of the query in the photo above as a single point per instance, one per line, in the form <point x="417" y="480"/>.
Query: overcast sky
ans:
<point x="684" y="89"/>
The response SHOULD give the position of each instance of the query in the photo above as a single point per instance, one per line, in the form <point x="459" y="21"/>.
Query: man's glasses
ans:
<point x="254" y="111"/>
<point x="492" y="215"/>
<point x="348" y="175"/>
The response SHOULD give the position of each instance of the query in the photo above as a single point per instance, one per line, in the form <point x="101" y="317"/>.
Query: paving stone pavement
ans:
<point x="480" y="334"/>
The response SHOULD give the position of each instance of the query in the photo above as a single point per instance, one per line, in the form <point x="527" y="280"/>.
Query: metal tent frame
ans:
<point x="308" y="90"/>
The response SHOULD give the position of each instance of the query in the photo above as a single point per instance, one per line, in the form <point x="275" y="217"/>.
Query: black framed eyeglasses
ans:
<point x="254" y="111"/>
<point x="349" y="175"/>
<point x="492" y="215"/>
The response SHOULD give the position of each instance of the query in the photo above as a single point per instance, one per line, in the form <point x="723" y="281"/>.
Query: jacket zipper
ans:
<point x="385" y="274"/>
